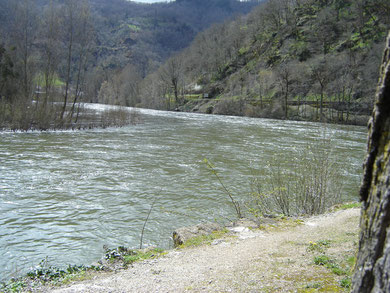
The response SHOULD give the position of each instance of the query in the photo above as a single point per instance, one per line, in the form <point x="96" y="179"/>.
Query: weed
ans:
<point x="346" y="282"/>
<point x="44" y="274"/>
<point x="322" y="260"/>
<point x="318" y="246"/>
<point x="14" y="285"/>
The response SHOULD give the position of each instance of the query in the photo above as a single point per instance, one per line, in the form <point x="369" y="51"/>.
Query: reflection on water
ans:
<point x="65" y="194"/>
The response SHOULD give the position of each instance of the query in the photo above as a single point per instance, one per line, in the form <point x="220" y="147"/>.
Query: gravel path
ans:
<point x="274" y="260"/>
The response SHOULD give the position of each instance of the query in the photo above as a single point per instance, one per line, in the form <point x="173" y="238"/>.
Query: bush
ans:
<point x="309" y="186"/>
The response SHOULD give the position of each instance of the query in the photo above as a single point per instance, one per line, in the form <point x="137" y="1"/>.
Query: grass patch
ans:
<point x="204" y="239"/>
<point x="342" y="267"/>
<point x="346" y="283"/>
<point x="40" y="81"/>
<point x="346" y="206"/>
<point x="319" y="246"/>
<point x="139" y="255"/>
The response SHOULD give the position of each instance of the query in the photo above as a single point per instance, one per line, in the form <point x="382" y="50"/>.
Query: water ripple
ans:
<point x="65" y="194"/>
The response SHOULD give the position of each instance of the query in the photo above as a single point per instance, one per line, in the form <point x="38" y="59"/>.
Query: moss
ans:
<point x="315" y="281"/>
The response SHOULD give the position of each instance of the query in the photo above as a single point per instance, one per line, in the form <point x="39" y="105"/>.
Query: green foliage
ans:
<point x="346" y="282"/>
<point x="14" y="285"/>
<point x="243" y="50"/>
<point x="324" y="260"/>
<point x="45" y="274"/>
<point x="295" y="34"/>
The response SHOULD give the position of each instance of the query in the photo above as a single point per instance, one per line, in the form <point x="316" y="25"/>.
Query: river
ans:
<point x="65" y="194"/>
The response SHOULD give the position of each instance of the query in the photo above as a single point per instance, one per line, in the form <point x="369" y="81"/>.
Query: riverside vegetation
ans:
<point x="56" y="54"/>
<point x="302" y="261"/>
<point x="46" y="275"/>
<point x="304" y="60"/>
<point x="310" y="186"/>
<point x="284" y="197"/>
<point x="326" y="259"/>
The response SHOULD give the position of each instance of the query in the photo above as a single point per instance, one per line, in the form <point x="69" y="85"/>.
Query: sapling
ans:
<point x="235" y="203"/>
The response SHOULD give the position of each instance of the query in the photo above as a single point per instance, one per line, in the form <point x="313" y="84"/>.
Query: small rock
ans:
<point x="181" y="235"/>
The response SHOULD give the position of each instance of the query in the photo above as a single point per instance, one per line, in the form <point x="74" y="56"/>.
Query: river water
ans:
<point x="65" y="194"/>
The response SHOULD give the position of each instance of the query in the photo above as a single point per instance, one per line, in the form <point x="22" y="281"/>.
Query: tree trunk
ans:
<point x="373" y="261"/>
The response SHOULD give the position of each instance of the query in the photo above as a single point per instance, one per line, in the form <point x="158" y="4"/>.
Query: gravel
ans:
<point x="270" y="260"/>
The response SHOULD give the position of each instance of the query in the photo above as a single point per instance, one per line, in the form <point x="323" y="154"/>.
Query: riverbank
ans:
<point x="315" y="254"/>
<point x="347" y="115"/>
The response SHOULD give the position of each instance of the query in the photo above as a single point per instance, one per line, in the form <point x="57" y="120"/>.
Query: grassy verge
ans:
<point x="50" y="276"/>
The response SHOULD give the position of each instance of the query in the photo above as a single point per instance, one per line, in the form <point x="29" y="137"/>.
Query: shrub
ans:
<point x="309" y="186"/>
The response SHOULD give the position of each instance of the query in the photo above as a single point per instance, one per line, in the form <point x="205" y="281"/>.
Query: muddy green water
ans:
<point x="63" y="195"/>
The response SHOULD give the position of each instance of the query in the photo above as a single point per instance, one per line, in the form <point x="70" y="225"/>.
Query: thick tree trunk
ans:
<point x="373" y="261"/>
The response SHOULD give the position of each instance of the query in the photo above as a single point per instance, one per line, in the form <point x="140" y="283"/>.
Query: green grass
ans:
<point x="337" y="266"/>
<point x="348" y="205"/>
<point x="318" y="246"/>
<point x="331" y="264"/>
<point x="204" y="239"/>
<point x="40" y="81"/>
<point x="139" y="255"/>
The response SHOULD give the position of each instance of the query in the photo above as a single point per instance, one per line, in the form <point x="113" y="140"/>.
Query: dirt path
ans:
<point x="274" y="260"/>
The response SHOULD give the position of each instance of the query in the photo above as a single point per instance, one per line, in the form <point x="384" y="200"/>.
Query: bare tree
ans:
<point x="24" y="36"/>
<point x="69" y="23"/>
<point x="170" y="74"/>
<point x="51" y="55"/>
<point x="321" y="72"/>
<point x="76" y="38"/>
<point x="285" y="78"/>
<point x="83" y="39"/>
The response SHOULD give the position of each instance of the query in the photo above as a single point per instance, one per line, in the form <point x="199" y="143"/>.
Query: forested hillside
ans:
<point x="309" y="59"/>
<point x="68" y="50"/>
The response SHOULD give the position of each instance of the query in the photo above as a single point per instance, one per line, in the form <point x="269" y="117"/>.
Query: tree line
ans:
<point x="43" y="63"/>
<point x="290" y="59"/>
<point x="54" y="53"/>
